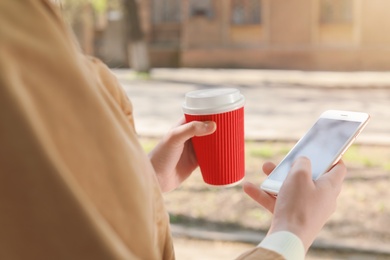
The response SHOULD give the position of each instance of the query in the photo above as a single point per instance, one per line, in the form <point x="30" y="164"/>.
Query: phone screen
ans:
<point x="322" y="144"/>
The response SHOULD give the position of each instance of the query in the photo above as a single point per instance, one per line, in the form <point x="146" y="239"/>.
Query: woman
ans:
<point x="74" y="180"/>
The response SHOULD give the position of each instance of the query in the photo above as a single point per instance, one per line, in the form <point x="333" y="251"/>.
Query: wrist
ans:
<point x="284" y="243"/>
<point x="302" y="232"/>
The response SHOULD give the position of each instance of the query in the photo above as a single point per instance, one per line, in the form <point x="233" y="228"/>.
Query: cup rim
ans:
<point x="223" y="102"/>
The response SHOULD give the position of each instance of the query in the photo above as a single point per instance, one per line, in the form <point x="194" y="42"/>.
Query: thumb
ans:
<point x="204" y="128"/>
<point x="335" y="176"/>
<point x="300" y="171"/>
<point x="195" y="128"/>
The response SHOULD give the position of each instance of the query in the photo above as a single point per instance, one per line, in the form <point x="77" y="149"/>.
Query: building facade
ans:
<point x="268" y="34"/>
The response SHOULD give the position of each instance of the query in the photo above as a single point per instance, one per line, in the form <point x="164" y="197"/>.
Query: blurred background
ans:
<point x="267" y="34"/>
<point x="292" y="60"/>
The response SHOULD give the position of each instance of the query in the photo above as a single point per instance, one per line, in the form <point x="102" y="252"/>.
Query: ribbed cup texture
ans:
<point x="221" y="155"/>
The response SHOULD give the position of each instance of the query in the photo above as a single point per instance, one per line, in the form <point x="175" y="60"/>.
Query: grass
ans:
<point x="143" y="75"/>
<point x="262" y="152"/>
<point x="358" y="155"/>
<point x="386" y="166"/>
<point x="368" y="156"/>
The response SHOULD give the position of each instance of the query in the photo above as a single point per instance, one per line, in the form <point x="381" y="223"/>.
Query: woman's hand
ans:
<point x="174" y="158"/>
<point x="263" y="198"/>
<point x="302" y="206"/>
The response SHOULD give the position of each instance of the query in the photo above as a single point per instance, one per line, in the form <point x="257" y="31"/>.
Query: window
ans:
<point x="201" y="8"/>
<point x="336" y="22"/>
<point x="166" y="11"/>
<point x="245" y="12"/>
<point x="336" y="11"/>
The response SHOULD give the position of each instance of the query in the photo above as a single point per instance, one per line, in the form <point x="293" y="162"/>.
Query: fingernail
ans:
<point x="208" y="126"/>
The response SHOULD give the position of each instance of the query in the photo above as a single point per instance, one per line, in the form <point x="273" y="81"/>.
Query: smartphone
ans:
<point x="324" y="144"/>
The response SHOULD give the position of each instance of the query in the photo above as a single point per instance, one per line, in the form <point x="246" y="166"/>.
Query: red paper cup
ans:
<point x="221" y="155"/>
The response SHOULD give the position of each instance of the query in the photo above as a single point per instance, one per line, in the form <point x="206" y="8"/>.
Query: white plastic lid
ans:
<point x="212" y="101"/>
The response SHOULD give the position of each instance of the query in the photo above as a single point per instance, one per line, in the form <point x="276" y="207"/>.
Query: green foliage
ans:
<point x="143" y="75"/>
<point x="148" y="144"/>
<point x="100" y="6"/>
<point x="262" y="152"/>
<point x="386" y="166"/>
<point x="354" y="155"/>
<point x="175" y="218"/>
<point x="72" y="9"/>
<point x="266" y="150"/>
<point x="284" y="150"/>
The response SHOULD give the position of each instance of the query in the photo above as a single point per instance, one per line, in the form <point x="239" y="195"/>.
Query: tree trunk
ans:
<point x="137" y="49"/>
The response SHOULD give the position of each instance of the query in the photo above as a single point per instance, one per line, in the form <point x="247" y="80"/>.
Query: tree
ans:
<point x="85" y="14"/>
<point x="136" y="44"/>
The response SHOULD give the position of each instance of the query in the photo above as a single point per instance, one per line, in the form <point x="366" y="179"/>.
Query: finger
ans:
<point x="205" y="128"/>
<point x="300" y="170"/>
<point x="261" y="197"/>
<point x="338" y="172"/>
<point x="336" y="175"/>
<point x="186" y="131"/>
<point x="268" y="167"/>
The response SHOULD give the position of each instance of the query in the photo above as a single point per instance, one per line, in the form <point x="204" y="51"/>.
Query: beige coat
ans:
<point x="74" y="180"/>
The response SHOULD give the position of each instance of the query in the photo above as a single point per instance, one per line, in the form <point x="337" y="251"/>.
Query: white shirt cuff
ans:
<point x="286" y="244"/>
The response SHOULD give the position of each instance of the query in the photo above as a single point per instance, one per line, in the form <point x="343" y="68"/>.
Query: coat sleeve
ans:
<point x="260" y="253"/>
<point x="278" y="245"/>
